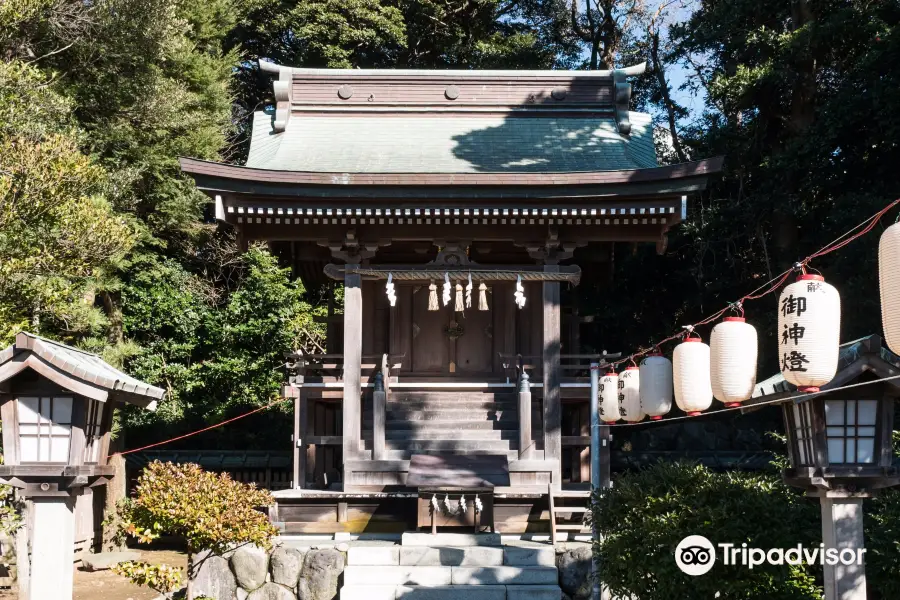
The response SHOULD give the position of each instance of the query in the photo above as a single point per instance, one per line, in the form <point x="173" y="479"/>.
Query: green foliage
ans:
<point x="645" y="515"/>
<point x="161" y="578"/>
<point x="215" y="355"/>
<point x="211" y="512"/>
<point x="58" y="233"/>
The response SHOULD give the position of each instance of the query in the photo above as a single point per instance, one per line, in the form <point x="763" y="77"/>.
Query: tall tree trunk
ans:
<point x="660" y="72"/>
<point x="803" y="93"/>
<point x="112" y="305"/>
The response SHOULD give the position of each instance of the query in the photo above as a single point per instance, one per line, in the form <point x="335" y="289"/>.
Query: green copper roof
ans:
<point x="431" y="142"/>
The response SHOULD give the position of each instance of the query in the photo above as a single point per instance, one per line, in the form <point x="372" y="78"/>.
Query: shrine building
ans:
<point x="459" y="211"/>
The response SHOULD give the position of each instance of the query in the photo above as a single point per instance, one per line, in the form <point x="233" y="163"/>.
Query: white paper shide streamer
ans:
<point x="469" y="292"/>
<point x="691" y="376"/>
<point x="809" y="329"/>
<point x="889" y="282"/>
<point x="630" y="395"/>
<point x="389" y="288"/>
<point x="520" y="292"/>
<point x="733" y="352"/>
<point x="609" y="398"/>
<point x="656" y="386"/>
<point x="446" y="295"/>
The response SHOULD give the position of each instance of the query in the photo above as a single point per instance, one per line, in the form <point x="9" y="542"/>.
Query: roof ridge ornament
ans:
<point x="622" y="95"/>
<point x="282" y="90"/>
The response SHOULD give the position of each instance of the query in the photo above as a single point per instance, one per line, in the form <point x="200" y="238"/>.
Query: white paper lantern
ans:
<point x="809" y="332"/>
<point x="889" y="278"/>
<point x="609" y="398"/>
<point x="630" y="395"/>
<point x="656" y="386"/>
<point x="691" y="377"/>
<point x="733" y="351"/>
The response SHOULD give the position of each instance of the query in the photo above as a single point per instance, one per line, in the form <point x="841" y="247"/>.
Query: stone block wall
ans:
<point x="251" y="573"/>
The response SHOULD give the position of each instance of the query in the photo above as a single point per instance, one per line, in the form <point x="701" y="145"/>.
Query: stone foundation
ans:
<point x="285" y="573"/>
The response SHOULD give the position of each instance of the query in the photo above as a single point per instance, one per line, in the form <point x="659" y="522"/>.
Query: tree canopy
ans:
<point x="105" y="245"/>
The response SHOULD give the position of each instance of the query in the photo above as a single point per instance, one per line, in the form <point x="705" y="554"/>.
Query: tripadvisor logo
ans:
<point x="695" y="555"/>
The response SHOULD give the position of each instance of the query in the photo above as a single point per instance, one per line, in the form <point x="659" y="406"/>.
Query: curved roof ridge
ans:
<point x="272" y="67"/>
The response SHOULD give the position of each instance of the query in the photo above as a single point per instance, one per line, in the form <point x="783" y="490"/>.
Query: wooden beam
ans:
<point x="551" y="372"/>
<point x="352" y="409"/>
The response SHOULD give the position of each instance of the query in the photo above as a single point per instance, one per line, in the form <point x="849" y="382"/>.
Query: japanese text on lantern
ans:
<point x="791" y="334"/>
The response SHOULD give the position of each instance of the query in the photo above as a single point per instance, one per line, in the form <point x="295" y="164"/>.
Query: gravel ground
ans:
<point x="105" y="585"/>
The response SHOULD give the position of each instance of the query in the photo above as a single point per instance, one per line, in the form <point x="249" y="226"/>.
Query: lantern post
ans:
<point x="840" y="451"/>
<point x="56" y="405"/>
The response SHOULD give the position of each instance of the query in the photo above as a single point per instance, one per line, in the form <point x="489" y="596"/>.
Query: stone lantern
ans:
<point x="56" y="405"/>
<point x="840" y="450"/>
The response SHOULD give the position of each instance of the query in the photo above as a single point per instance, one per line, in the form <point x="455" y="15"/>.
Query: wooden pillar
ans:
<point x="551" y="374"/>
<point x="352" y="408"/>
<point x="301" y="431"/>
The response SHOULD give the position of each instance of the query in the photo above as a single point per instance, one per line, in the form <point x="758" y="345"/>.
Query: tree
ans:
<point x="211" y="512"/>
<point x="602" y="25"/>
<point x="59" y="235"/>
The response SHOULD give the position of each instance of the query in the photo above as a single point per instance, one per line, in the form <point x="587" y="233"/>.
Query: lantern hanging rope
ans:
<point x="776" y="282"/>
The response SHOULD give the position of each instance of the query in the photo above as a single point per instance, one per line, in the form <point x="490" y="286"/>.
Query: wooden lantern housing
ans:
<point x="841" y="440"/>
<point x="56" y="404"/>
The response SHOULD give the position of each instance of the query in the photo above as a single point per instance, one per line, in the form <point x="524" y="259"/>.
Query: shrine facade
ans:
<point x="454" y="213"/>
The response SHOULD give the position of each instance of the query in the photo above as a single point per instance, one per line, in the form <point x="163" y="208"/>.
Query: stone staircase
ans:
<point x="450" y="422"/>
<point x="450" y="566"/>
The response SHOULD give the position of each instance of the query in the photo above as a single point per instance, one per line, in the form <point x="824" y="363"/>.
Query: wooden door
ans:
<point x="475" y="348"/>
<point x="430" y="344"/>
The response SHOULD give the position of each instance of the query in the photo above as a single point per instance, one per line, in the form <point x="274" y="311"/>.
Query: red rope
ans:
<point x="193" y="433"/>
<point x="835" y="245"/>
<point x="776" y="282"/>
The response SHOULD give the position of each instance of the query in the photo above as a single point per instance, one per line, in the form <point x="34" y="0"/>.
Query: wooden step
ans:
<point x="571" y="509"/>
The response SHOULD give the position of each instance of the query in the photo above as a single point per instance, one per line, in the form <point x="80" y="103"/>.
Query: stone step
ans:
<point x="450" y="425"/>
<point x="407" y="454"/>
<point x="450" y="415"/>
<point x="451" y="540"/>
<point x="401" y="394"/>
<point x="374" y="555"/>
<point x="397" y="575"/>
<point x="452" y="445"/>
<point x="452" y="592"/>
<point x="474" y="556"/>
<point x="368" y="592"/>
<point x="504" y="576"/>
<point x="529" y="557"/>
<point x="429" y="433"/>
<point x="533" y="592"/>
<point x="438" y="404"/>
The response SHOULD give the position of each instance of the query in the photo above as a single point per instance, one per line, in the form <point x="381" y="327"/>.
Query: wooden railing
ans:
<point x="312" y="367"/>
<point x="571" y="365"/>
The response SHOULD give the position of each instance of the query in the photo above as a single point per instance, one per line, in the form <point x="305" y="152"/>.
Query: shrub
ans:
<point x="643" y="518"/>
<point x="210" y="511"/>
